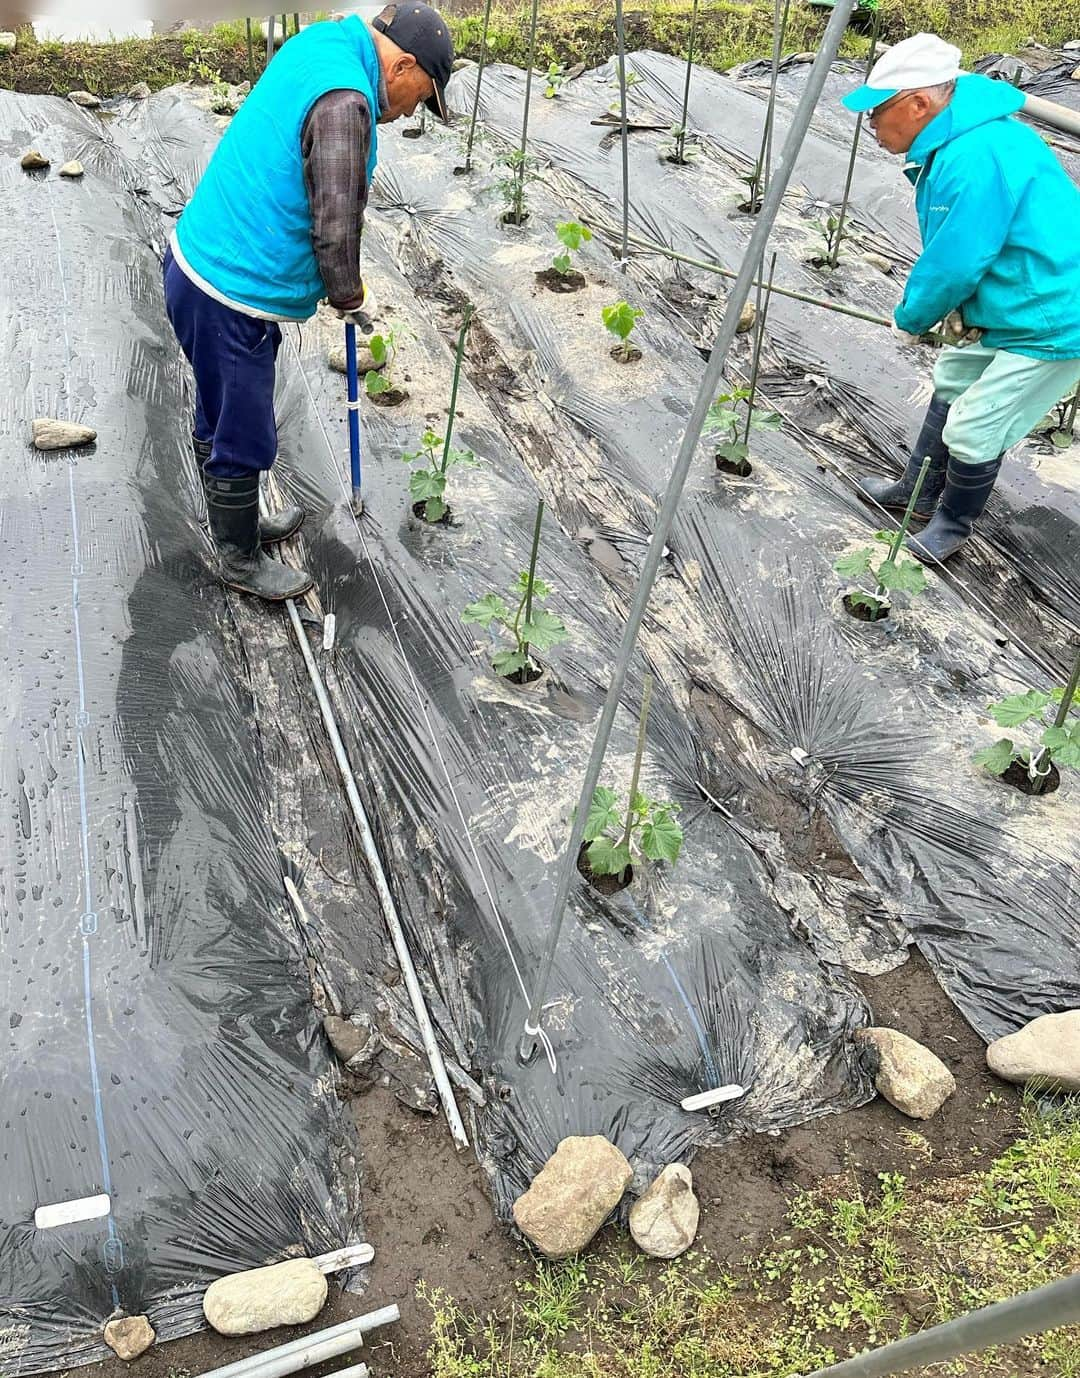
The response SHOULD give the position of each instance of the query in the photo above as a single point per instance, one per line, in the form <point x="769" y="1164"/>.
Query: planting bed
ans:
<point x="830" y="809"/>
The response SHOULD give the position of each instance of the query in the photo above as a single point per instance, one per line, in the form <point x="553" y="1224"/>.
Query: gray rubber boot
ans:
<point x="278" y="527"/>
<point x="967" y="491"/>
<point x="896" y="495"/>
<point x="232" y="506"/>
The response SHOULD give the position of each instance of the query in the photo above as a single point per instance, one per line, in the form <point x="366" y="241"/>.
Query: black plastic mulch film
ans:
<point x="161" y="1044"/>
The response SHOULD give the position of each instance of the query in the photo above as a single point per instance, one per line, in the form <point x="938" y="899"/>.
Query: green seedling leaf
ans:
<point x="997" y="758"/>
<point x="858" y="562"/>
<point x="885" y="537"/>
<point x="509" y="662"/>
<point x="859" y="599"/>
<point x="465" y="457"/>
<point x="767" y="421"/>
<point x="734" y="451"/>
<point x="639" y="805"/>
<point x="903" y="576"/>
<point x="375" y="383"/>
<point x="603" y="813"/>
<point x="1018" y="708"/>
<point x="543" y="630"/>
<point x="721" y="418"/>
<point x="1061" y="440"/>
<point x="1064" y="743"/>
<point x="661" y="836"/>
<point x="561" y="263"/>
<point x="607" y="858"/>
<point x="621" y="318"/>
<point x="486" y="610"/>
<point x="573" y="234"/>
<point x="540" y="590"/>
<point x="380" y="349"/>
<point x="426" y="484"/>
<point x="435" y="509"/>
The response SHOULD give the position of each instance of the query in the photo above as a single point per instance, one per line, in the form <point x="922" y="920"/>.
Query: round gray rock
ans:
<point x="664" y="1221"/>
<point x="72" y="169"/>
<point x="908" y="1075"/>
<point x="282" y="1294"/>
<point x="140" y="91"/>
<point x="86" y="99"/>
<point x="50" y="434"/>
<point x="1046" y="1051"/>
<point x="572" y="1195"/>
<point x="129" y="1336"/>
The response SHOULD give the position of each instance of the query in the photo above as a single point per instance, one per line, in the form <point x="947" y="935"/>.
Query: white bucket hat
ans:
<point x="923" y="60"/>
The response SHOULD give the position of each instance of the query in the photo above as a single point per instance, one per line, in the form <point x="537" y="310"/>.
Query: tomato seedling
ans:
<point x="520" y="169"/>
<point x="647" y="828"/>
<point x="832" y="233"/>
<point x="531" y="628"/>
<point x="1058" y="743"/>
<point x="620" y="319"/>
<point x="572" y="235"/>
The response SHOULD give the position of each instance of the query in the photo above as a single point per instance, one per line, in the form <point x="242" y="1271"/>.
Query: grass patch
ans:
<point x="852" y="1271"/>
<point x="569" y="31"/>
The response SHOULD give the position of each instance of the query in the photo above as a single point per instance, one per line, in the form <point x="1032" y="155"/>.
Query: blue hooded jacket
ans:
<point x="246" y="232"/>
<point x="1000" y="223"/>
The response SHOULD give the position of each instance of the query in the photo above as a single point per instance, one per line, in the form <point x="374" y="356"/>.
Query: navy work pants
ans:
<point x="233" y="358"/>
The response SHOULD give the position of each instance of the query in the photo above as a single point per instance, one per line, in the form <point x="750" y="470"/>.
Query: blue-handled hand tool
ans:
<point x="354" y="418"/>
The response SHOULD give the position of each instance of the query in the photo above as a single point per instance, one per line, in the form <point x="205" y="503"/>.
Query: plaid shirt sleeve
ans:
<point x="334" y="143"/>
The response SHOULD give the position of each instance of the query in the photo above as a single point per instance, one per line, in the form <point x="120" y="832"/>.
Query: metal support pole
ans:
<point x="479" y="78"/>
<point x="620" y="32"/>
<point x="780" y="22"/>
<point x="273" y="1362"/>
<point x="269" y="39"/>
<point x="680" y="143"/>
<point x="754" y="255"/>
<point x="1039" y="782"/>
<point x="250" y="52"/>
<point x="353" y="382"/>
<point x="835" y="255"/>
<point x="519" y="196"/>
<point x="382" y="889"/>
<point x="1045" y="1308"/>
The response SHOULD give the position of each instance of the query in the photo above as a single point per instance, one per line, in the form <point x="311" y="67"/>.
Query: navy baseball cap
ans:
<point x="422" y="31"/>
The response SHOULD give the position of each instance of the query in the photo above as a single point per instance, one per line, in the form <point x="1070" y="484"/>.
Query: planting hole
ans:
<point x="555" y="281"/>
<point x="739" y="468"/>
<point x="510" y="218"/>
<point x="418" y="512"/>
<point x="461" y="170"/>
<point x="526" y="676"/>
<point x="631" y="356"/>
<point x="862" y="612"/>
<point x="1018" y="777"/>
<point x="607" y="885"/>
<point x="412" y="133"/>
<point x="393" y="397"/>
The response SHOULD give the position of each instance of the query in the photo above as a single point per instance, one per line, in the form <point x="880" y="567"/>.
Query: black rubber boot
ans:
<point x="273" y="529"/>
<point x="896" y="495"/>
<point x="232" y="506"/>
<point x="967" y="490"/>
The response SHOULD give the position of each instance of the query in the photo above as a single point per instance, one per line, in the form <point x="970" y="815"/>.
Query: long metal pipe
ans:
<point x="271" y="1363"/>
<point x="1045" y="1308"/>
<point x="1060" y="116"/>
<point x="624" y="140"/>
<point x="736" y="301"/>
<point x="382" y="889"/>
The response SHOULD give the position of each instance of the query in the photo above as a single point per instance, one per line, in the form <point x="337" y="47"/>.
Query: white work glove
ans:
<point x="957" y="333"/>
<point x="904" y="336"/>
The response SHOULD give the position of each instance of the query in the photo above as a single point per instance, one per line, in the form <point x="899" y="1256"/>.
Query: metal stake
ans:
<point x="680" y="142"/>
<point x="620" y="32"/>
<point x="532" y="566"/>
<point x="706" y="392"/>
<point x="287" y="1358"/>
<point x="835" y="254"/>
<point x="763" y="295"/>
<point x="269" y="39"/>
<point x="250" y="52"/>
<point x="479" y="78"/>
<point x="519" y="196"/>
<point x="780" y="21"/>
<point x="458" y="358"/>
<point x="382" y="889"/>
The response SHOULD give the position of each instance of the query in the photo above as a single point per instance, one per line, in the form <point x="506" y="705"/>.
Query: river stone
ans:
<point x="8" y="41"/>
<point x="140" y="91"/>
<point x="33" y="160"/>
<point x="664" y="1220"/>
<point x="50" y="434"/>
<point x="72" y="169"/>
<point x="335" y="357"/>
<point x="288" y="1293"/>
<point x="348" y="1039"/>
<point x="129" y="1336"/>
<point x="1076" y="74"/>
<point x="86" y="99"/>
<point x="572" y="1195"/>
<point x="908" y="1075"/>
<point x="1046" y="1051"/>
<point x="879" y="261"/>
<point x="747" y="318"/>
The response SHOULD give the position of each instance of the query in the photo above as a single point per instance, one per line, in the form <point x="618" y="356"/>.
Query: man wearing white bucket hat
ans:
<point x="1000" y="222"/>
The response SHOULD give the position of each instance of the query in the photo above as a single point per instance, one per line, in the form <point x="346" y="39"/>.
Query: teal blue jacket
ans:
<point x="1000" y="224"/>
<point x="246" y="232"/>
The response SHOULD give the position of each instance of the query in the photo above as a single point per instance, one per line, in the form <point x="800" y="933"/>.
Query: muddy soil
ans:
<point x="429" y="1219"/>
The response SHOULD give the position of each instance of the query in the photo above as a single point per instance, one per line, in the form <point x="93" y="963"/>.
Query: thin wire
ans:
<point x="421" y="704"/>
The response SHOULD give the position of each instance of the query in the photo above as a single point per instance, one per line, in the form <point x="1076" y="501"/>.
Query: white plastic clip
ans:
<point x="329" y="631"/>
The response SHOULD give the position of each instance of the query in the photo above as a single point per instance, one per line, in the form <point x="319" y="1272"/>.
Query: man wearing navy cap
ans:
<point x="999" y="218"/>
<point x="273" y="227"/>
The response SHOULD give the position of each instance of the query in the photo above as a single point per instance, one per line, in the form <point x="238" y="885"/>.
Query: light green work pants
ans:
<point x="995" y="398"/>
